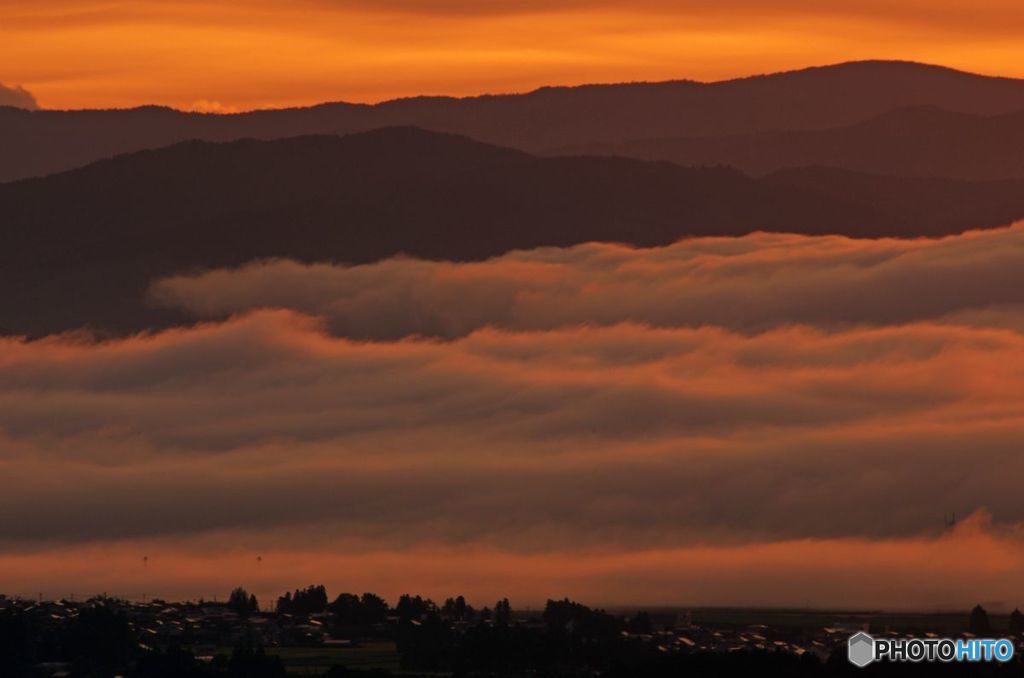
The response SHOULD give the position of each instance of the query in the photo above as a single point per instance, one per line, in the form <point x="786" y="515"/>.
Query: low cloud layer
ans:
<point x="773" y="408"/>
<point x="623" y="437"/>
<point x="747" y="284"/>
<point x="17" y="97"/>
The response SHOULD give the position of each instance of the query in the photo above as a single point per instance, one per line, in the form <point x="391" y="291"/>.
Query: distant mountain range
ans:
<point x="922" y="141"/>
<point x="81" y="247"/>
<point x="774" y="112"/>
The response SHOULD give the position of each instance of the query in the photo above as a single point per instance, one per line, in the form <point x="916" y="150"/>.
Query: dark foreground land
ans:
<point x="306" y="634"/>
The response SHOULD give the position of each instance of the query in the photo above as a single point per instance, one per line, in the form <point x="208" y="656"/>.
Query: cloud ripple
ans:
<point x="747" y="284"/>
<point x="710" y="402"/>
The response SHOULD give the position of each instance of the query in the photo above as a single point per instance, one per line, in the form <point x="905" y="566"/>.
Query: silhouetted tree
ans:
<point x="374" y="609"/>
<point x="1016" y="622"/>
<point x="352" y="610"/>
<point x="346" y="609"/>
<point x="502" y="612"/>
<point x="241" y="602"/>
<point x="978" y="623"/>
<point x="457" y="609"/>
<point x="410" y="607"/>
<point x="310" y="600"/>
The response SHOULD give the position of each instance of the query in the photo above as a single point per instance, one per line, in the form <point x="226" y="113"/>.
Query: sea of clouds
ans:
<point x="736" y="409"/>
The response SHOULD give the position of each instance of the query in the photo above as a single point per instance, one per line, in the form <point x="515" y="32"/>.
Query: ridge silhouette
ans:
<point x="81" y="248"/>
<point x="43" y="142"/>
<point x="921" y="141"/>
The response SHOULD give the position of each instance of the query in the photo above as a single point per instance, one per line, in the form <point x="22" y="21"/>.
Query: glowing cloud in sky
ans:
<point x="17" y="97"/>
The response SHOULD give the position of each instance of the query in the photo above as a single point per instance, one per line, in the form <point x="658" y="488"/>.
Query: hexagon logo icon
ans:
<point x="861" y="649"/>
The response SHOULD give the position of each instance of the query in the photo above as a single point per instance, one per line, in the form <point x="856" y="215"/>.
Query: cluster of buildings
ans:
<point x="821" y="641"/>
<point x="687" y="637"/>
<point x="209" y="628"/>
<point x="204" y="627"/>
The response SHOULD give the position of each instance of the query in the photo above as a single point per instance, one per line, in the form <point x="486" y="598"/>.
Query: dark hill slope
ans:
<point x="81" y="247"/>
<point x="34" y="143"/>
<point x="920" y="141"/>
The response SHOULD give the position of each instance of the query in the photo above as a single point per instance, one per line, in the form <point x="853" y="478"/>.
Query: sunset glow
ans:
<point x="476" y="338"/>
<point x="496" y="414"/>
<point x="221" y="57"/>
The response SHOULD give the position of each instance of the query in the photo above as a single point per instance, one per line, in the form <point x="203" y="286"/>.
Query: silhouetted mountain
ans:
<point x="921" y="141"/>
<point x="81" y="247"/>
<point x="41" y="142"/>
<point x="903" y="198"/>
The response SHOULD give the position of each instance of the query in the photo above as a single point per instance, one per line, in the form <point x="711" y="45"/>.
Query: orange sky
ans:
<point x="207" y="55"/>
<point x="949" y="572"/>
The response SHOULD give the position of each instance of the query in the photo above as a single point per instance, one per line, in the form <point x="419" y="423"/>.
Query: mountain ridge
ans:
<point x="543" y="89"/>
<point x="80" y="248"/>
<point x="37" y="143"/>
<point x="919" y="141"/>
